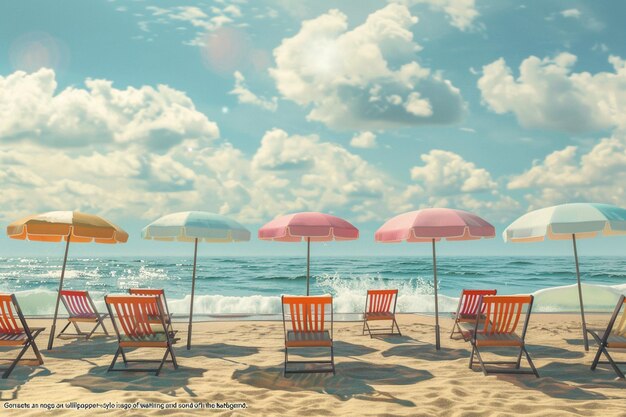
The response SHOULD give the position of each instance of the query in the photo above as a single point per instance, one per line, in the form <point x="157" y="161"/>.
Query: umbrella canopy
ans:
<point x="432" y="225"/>
<point x="310" y="226"/>
<point x="71" y="226"/>
<point x="195" y="226"/>
<point x="569" y="221"/>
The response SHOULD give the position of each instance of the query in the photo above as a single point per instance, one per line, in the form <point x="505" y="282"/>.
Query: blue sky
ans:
<point x="363" y="109"/>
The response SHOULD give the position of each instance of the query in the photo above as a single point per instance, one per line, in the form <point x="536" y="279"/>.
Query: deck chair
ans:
<point x="613" y="337"/>
<point x="306" y="320"/>
<point x="153" y="313"/>
<point x="380" y="305"/>
<point x="497" y="329"/>
<point x="14" y="331"/>
<point x="466" y="311"/>
<point x="132" y="325"/>
<point x="81" y="309"/>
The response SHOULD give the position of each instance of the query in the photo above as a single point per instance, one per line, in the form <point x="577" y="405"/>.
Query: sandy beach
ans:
<point x="241" y="362"/>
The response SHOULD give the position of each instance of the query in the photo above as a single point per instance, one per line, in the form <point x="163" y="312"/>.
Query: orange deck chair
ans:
<point x="467" y="310"/>
<point x="497" y="329"/>
<point x="381" y="305"/>
<point x="132" y="325"/>
<point x="81" y="309"/>
<point x="14" y="331"/>
<point x="613" y="337"/>
<point x="154" y="314"/>
<point x="306" y="322"/>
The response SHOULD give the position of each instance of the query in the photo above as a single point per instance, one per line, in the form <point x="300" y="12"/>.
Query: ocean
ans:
<point x="251" y="286"/>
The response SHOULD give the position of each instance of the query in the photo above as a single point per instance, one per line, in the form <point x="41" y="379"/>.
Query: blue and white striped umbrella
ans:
<point x="569" y="221"/>
<point x="195" y="226"/>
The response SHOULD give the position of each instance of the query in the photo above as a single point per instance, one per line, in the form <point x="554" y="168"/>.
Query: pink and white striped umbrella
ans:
<point x="432" y="225"/>
<point x="310" y="226"/>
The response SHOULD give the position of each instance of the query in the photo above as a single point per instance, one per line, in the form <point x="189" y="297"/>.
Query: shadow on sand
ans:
<point x="221" y="351"/>
<point x="26" y="370"/>
<point x="427" y="352"/>
<point x="353" y="380"/>
<point x="82" y="349"/>
<point x="98" y="380"/>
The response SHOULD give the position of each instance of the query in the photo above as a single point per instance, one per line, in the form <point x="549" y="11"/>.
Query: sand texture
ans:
<point x="404" y="376"/>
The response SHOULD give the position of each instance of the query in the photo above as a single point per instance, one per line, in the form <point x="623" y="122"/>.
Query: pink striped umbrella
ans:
<point x="310" y="226"/>
<point x="432" y="225"/>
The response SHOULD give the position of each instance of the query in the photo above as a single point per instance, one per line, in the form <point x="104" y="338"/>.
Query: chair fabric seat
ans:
<point x="13" y="339"/>
<point x="379" y="316"/>
<point x="509" y="339"/>
<point x="84" y="317"/>
<point x="308" y="339"/>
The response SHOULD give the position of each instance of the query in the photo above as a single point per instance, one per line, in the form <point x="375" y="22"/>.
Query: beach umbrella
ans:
<point x="195" y="226"/>
<point x="432" y="225"/>
<point x="569" y="221"/>
<point x="311" y="226"/>
<point x="71" y="226"/>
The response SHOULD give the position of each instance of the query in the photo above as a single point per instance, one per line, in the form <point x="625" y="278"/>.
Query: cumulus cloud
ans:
<point x="571" y="175"/>
<point x="445" y="179"/>
<point x="549" y="95"/>
<point x="461" y="13"/>
<point x="244" y="95"/>
<point x="571" y="13"/>
<point x="366" y="77"/>
<point x="365" y="140"/>
<point x="31" y="109"/>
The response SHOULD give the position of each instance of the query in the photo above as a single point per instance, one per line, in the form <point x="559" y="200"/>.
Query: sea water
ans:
<point x="253" y="285"/>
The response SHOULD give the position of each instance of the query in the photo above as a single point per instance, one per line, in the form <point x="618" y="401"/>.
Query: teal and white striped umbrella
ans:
<point x="195" y="226"/>
<point x="569" y="221"/>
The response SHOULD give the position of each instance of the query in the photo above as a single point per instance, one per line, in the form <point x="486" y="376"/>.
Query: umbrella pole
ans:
<point x="193" y="290"/>
<point x="56" y="308"/>
<point x="437" y="343"/>
<point x="308" y="260"/>
<point x="580" y="295"/>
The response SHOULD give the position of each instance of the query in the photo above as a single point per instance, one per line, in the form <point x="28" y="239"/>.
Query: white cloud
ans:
<point x="365" y="140"/>
<point x="31" y="109"/>
<point x="565" y="175"/>
<point x="461" y="13"/>
<point x="571" y="13"/>
<point x="364" y="78"/>
<point x="244" y="95"/>
<point x="547" y="94"/>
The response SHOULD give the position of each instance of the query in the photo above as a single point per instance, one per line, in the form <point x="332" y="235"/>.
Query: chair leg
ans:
<point x="368" y="329"/>
<point x="102" y="324"/>
<point x="612" y="363"/>
<point x="286" y="360"/>
<point x="530" y="362"/>
<point x="596" y="359"/>
<point x="471" y="362"/>
<point x="480" y="359"/>
<point x="397" y="327"/>
<point x="124" y="356"/>
<point x="117" y="353"/>
<point x="332" y="358"/>
<point x="36" y="351"/>
<point x="519" y="358"/>
<point x="453" y="329"/>
<point x="65" y="328"/>
<point x="363" y="333"/>
<point x="167" y="352"/>
<point x="6" y="373"/>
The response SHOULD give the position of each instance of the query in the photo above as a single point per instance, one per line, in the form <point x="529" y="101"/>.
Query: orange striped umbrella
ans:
<point x="71" y="226"/>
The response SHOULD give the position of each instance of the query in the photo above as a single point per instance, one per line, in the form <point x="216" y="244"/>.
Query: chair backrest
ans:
<point x="77" y="303"/>
<point x="381" y="301"/>
<point x="502" y="314"/>
<point x="306" y="314"/>
<point x="132" y="313"/>
<point x="153" y="292"/>
<point x="10" y="313"/>
<point x="618" y="328"/>
<point x="470" y="299"/>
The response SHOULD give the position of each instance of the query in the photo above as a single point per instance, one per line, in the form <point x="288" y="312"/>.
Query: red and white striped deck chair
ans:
<point x="81" y="309"/>
<point x="380" y="305"/>
<point x="497" y="329"/>
<point x="130" y="315"/>
<point x="613" y="337"/>
<point x="308" y="323"/>
<point x="154" y="314"/>
<point x="14" y="331"/>
<point x="465" y="315"/>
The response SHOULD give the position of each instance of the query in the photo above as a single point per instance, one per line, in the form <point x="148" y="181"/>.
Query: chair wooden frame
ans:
<point x="307" y="316"/>
<point x="153" y="313"/>
<point x="132" y="313"/>
<point x="497" y="329"/>
<point x="378" y="307"/>
<point x="467" y="309"/>
<point x="14" y="333"/>
<point x="613" y="337"/>
<point x="81" y="309"/>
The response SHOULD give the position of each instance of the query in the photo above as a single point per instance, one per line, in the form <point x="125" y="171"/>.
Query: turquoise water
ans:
<point x="252" y="285"/>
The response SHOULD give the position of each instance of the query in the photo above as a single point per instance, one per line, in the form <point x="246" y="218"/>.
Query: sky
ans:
<point x="362" y="109"/>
